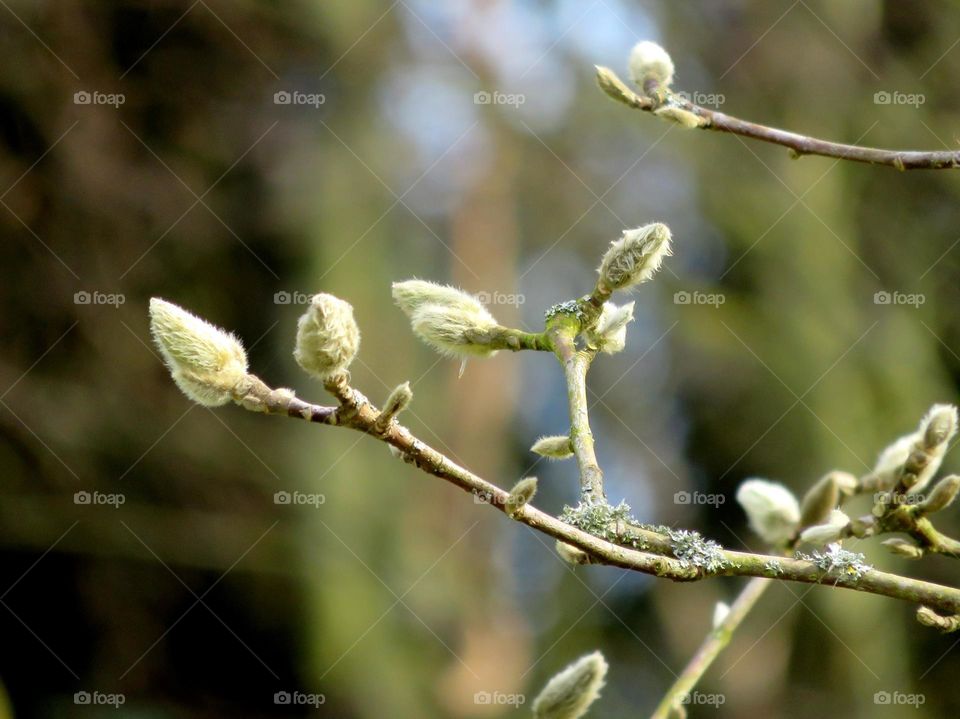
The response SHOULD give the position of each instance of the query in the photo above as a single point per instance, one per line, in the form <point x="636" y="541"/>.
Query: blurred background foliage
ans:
<point x="399" y="596"/>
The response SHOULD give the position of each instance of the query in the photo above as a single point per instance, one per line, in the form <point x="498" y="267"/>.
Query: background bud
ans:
<point x="649" y="61"/>
<point x="635" y="257"/>
<point x="571" y="692"/>
<point x="771" y="509"/>
<point x="206" y="362"/>
<point x="327" y="337"/>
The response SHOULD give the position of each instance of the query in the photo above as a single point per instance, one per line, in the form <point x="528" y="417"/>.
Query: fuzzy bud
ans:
<point x="206" y="362"/>
<point x="610" y="332"/>
<point x="613" y="86"/>
<point x="648" y="61"/>
<point x="522" y="493"/>
<point x="819" y="501"/>
<point x="939" y="425"/>
<point x="682" y="117"/>
<point x="941" y="496"/>
<point x="554" y="447"/>
<point x="327" y="337"/>
<point x="929" y="618"/>
<point x="398" y="400"/>
<point x="720" y="612"/>
<point x="571" y="554"/>
<point x="635" y="257"/>
<point x="830" y="531"/>
<point x="903" y="548"/>
<point x="569" y="694"/>
<point x="771" y="509"/>
<point x="451" y="321"/>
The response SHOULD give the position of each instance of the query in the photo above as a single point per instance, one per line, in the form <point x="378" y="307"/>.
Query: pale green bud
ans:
<point x="327" y="337"/>
<point x="682" y="117"/>
<point x="648" y="61"/>
<point x="819" y="501"/>
<point x="771" y="508"/>
<point x="206" y="362"/>
<point x="930" y="618"/>
<point x="570" y="693"/>
<point x="941" y="496"/>
<point x="610" y="333"/>
<point x="451" y="321"/>
<point x="554" y="447"/>
<point x="571" y="554"/>
<point x="635" y="257"/>
<point x="522" y="493"/>
<point x="830" y="531"/>
<point x="398" y="400"/>
<point x="903" y="548"/>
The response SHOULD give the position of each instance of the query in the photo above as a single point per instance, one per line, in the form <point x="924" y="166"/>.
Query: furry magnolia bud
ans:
<point x="610" y="333"/>
<point x="571" y="692"/>
<point x="451" y="321"/>
<point x="915" y="458"/>
<point x="571" y="554"/>
<point x="941" y="496"/>
<point x="903" y="548"/>
<point x="522" y="493"/>
<point x="830" y="531"/>
<point x="819" y="501"/>
<point x="206" y="362"/>
<point x="398" y="400"/>
<point x="327" y="337"/>
<point x="635" y="257"/>
<point x="554" y="447"/>
<point x="648" y="61"/>
<point x="771" y="509"/>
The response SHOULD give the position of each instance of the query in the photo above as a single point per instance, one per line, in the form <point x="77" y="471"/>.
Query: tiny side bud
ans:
<point x="398" y="400"/>
<point x="903" y="548"/>
<point x="554" y="447"/>
<point x="522" y="493"/>
<point x="941" y="496"/>
<point x="569" y="694"/>
<point x="571" y="554"/>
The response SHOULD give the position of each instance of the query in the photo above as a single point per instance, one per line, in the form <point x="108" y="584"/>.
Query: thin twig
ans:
<point x="798" y="144"/>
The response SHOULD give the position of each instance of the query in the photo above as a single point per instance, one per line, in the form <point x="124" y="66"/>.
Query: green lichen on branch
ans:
<point x="838" y="560"/>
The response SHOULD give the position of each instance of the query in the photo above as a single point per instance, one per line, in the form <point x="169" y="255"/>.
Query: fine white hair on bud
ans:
<point x="522" y="493"/>
<point x="569" y="694"/>
<point x="648" y="61"/>
<point x="941" y="496"/>
<point x="830" y="531"/>
<point x="451" y="321"/>
<point x="610" y="333"/>
<point x="635" y="257"/>
<point x="554" y="447"/>
<point x="206" y="362"/>
<point x="772" y="510"/>
<point x="327" y="337"/>
<point x="682" y="117"/>
<point x="916" y="457"/>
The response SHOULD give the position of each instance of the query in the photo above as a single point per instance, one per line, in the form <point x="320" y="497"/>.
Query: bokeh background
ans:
<point x="398" y="596"/>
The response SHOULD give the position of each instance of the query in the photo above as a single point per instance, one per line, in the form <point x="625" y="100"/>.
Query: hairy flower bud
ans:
<point x="682" y="117"/>
<point x="327" y="337"/>
<point x="610" y="333"/>
<point x="397" y="401"/>
<point x="771" y="509"/>
<point x="648" y="61"/>
<point x="554" y="447"/>
<point x="830" y="531"/>
<point x="903" y="548"/>
<point x="819" y="501"/>
<point x="522" y="493"/>
<point x="451" y="321"/>
<point x="571" y="554"/>
<point x="206" y="362"/>
<point x="941" y="496"/>
<point x="569" y="694"/>
<point x="635" y="257"/>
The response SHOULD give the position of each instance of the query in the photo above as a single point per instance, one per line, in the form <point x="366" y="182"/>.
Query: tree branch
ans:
<point x="659" y="99"/>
